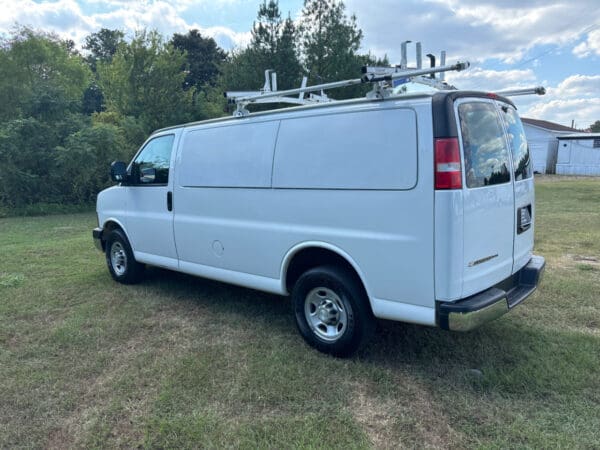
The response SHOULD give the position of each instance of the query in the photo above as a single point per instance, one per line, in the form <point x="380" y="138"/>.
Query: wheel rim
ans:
<point x="118" y="258"/>
<point x="325" y="314"/>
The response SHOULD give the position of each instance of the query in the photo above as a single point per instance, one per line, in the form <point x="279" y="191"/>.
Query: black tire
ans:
<point x="332" y="310"/>
<point x="120" y="260"/>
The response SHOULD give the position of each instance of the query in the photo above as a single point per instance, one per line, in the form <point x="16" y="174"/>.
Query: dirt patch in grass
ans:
<point x="571" y="261"/>
<point x="412" y="420"/>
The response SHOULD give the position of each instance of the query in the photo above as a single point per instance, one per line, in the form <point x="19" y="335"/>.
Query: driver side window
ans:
<point x="151" y="167"/>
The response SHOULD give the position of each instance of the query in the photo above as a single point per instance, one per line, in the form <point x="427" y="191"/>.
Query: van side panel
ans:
<point x="357" y="150"/>
<point x="238" y="155"/>
<point x="388" y="233"/>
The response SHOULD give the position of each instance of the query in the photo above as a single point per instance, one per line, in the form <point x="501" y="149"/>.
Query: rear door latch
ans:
<point x="523" y="219"/>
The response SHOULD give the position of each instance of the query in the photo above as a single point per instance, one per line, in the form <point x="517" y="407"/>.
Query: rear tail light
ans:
<point x="448" y="173"/>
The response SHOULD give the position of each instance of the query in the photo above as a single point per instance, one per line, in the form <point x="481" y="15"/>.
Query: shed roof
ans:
<point x="548" y="125"/>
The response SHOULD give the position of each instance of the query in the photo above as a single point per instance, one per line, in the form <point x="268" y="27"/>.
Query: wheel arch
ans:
<point x="113" y="224"/>
<point x="307" y="255"/>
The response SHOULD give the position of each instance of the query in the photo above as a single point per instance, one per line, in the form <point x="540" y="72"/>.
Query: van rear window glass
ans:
<point x="485" y="150"/>
<point x="357" y="150"/>
<point x="518" y="144"/>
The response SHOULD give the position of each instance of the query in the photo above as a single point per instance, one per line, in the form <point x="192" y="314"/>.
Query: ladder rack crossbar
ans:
<point x="367" y="78"/>
<point x="539" y="90"/>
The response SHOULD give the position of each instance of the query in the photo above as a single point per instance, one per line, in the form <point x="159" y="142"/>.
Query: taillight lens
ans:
<point x="448" y="172"/>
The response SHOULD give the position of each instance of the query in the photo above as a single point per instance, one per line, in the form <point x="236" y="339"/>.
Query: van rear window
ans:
<point x="518" y="144"/>
<point x="484" y="146"/>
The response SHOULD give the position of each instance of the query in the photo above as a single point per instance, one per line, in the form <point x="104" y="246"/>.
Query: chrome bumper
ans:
<point x="98" y="242"/>
<point x="474" y="311"/>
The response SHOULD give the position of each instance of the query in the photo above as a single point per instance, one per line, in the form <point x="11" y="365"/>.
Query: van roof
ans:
<point x="442" y="96"/>
<point x="333" y="104"/>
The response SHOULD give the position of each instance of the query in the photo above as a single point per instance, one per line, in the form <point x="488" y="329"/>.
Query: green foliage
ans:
<point x="330" y="41"/>
<point x="273" y="46"/>
<point x="595" y="127"/>
<point x="144" y="80"/>
<point x="24" y="169"/>
<point x="85" y="158"/>
<point x="203" y="58"/>
<point x="103" y="45"/>
<point x="67" y="114"/>
<point x="40" y="77"/>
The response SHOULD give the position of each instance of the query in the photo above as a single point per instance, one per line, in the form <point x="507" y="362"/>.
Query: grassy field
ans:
<point x="181" y="362"/>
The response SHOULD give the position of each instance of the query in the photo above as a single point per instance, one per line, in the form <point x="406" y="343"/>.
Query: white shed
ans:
<point x="579" y="154"/>
<point x="543" y="143"/>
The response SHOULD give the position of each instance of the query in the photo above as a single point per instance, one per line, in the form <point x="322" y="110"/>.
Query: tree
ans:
<point x="330" y="42"/>
<point x="595" y="127"/>
<point x="86" y="156"/>
<point x="203" y="58"/>
<point x="144" y="79"/>
<point x="42" y="81"/>
<point x="273" y="46"/>
<point x="102" y="46"/>
<point x="40" y="77"/>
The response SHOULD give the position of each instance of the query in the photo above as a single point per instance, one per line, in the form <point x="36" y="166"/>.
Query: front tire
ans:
<point x="332" y="310"/>
<point x="120" y="260"/>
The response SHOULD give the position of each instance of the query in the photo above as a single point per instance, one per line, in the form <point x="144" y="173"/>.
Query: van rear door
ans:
<point x="523" y="186"/>
<point x="488" y="195"/>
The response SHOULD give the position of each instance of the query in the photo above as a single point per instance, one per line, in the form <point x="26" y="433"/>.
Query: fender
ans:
<point x="327" y="246"/>
<point x="118" y="222"/>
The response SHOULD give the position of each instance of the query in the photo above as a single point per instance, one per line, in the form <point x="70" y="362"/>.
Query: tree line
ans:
<point x="65" y="113"/>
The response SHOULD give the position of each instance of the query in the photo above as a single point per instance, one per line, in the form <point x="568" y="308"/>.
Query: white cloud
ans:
<point x="473" y="30"/>
<point x="66" y="18"/>
<point x="63" y="17"/>
<point x="578" y="86"/>
<point x="477" y="78"/>
<point x="589" y="47"/>
<point x="583" y="111"/>
<point x="575" y="98"/>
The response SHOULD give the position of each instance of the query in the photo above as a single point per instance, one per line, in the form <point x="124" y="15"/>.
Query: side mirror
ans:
<point x="118" y="171"/>
<point x="148" y="175"/>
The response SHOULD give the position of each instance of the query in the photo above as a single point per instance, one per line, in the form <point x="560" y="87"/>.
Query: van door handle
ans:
<point x="523" y="219"/>
<point x="170" y="201"/>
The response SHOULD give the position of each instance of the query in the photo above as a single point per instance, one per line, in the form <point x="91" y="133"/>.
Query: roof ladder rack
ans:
<point x="379" y="76"/>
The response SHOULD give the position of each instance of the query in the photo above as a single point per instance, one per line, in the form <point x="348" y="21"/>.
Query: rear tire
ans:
<point x="120" y="260"/>
<point x="332" y="310"/>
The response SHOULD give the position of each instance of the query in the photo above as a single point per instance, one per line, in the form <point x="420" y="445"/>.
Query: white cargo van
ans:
<point x="416" y="208"/>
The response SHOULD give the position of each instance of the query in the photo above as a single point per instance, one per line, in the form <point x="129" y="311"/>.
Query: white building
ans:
<point x="579" y="154"/>
<point x="543" y="143"/>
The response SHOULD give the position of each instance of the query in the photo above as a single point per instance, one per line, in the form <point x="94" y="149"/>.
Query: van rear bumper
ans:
<point x="471" y="312"/>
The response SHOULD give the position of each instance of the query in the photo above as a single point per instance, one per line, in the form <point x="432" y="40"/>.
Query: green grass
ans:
<point x="182" y="362"/>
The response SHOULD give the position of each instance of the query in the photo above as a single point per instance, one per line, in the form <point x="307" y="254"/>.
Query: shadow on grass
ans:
<point x="508" y="356"/>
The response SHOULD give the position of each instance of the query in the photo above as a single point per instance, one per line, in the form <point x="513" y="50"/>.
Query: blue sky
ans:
<point x="510" y="43"/>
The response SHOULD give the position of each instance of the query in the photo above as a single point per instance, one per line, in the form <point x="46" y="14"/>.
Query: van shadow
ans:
<point x="508" y="356"/>
<point x="188" y="292"/>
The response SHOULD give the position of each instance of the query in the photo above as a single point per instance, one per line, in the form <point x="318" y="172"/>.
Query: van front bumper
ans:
<point x="98" y="241"/>
<point x="471" y="312"/>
